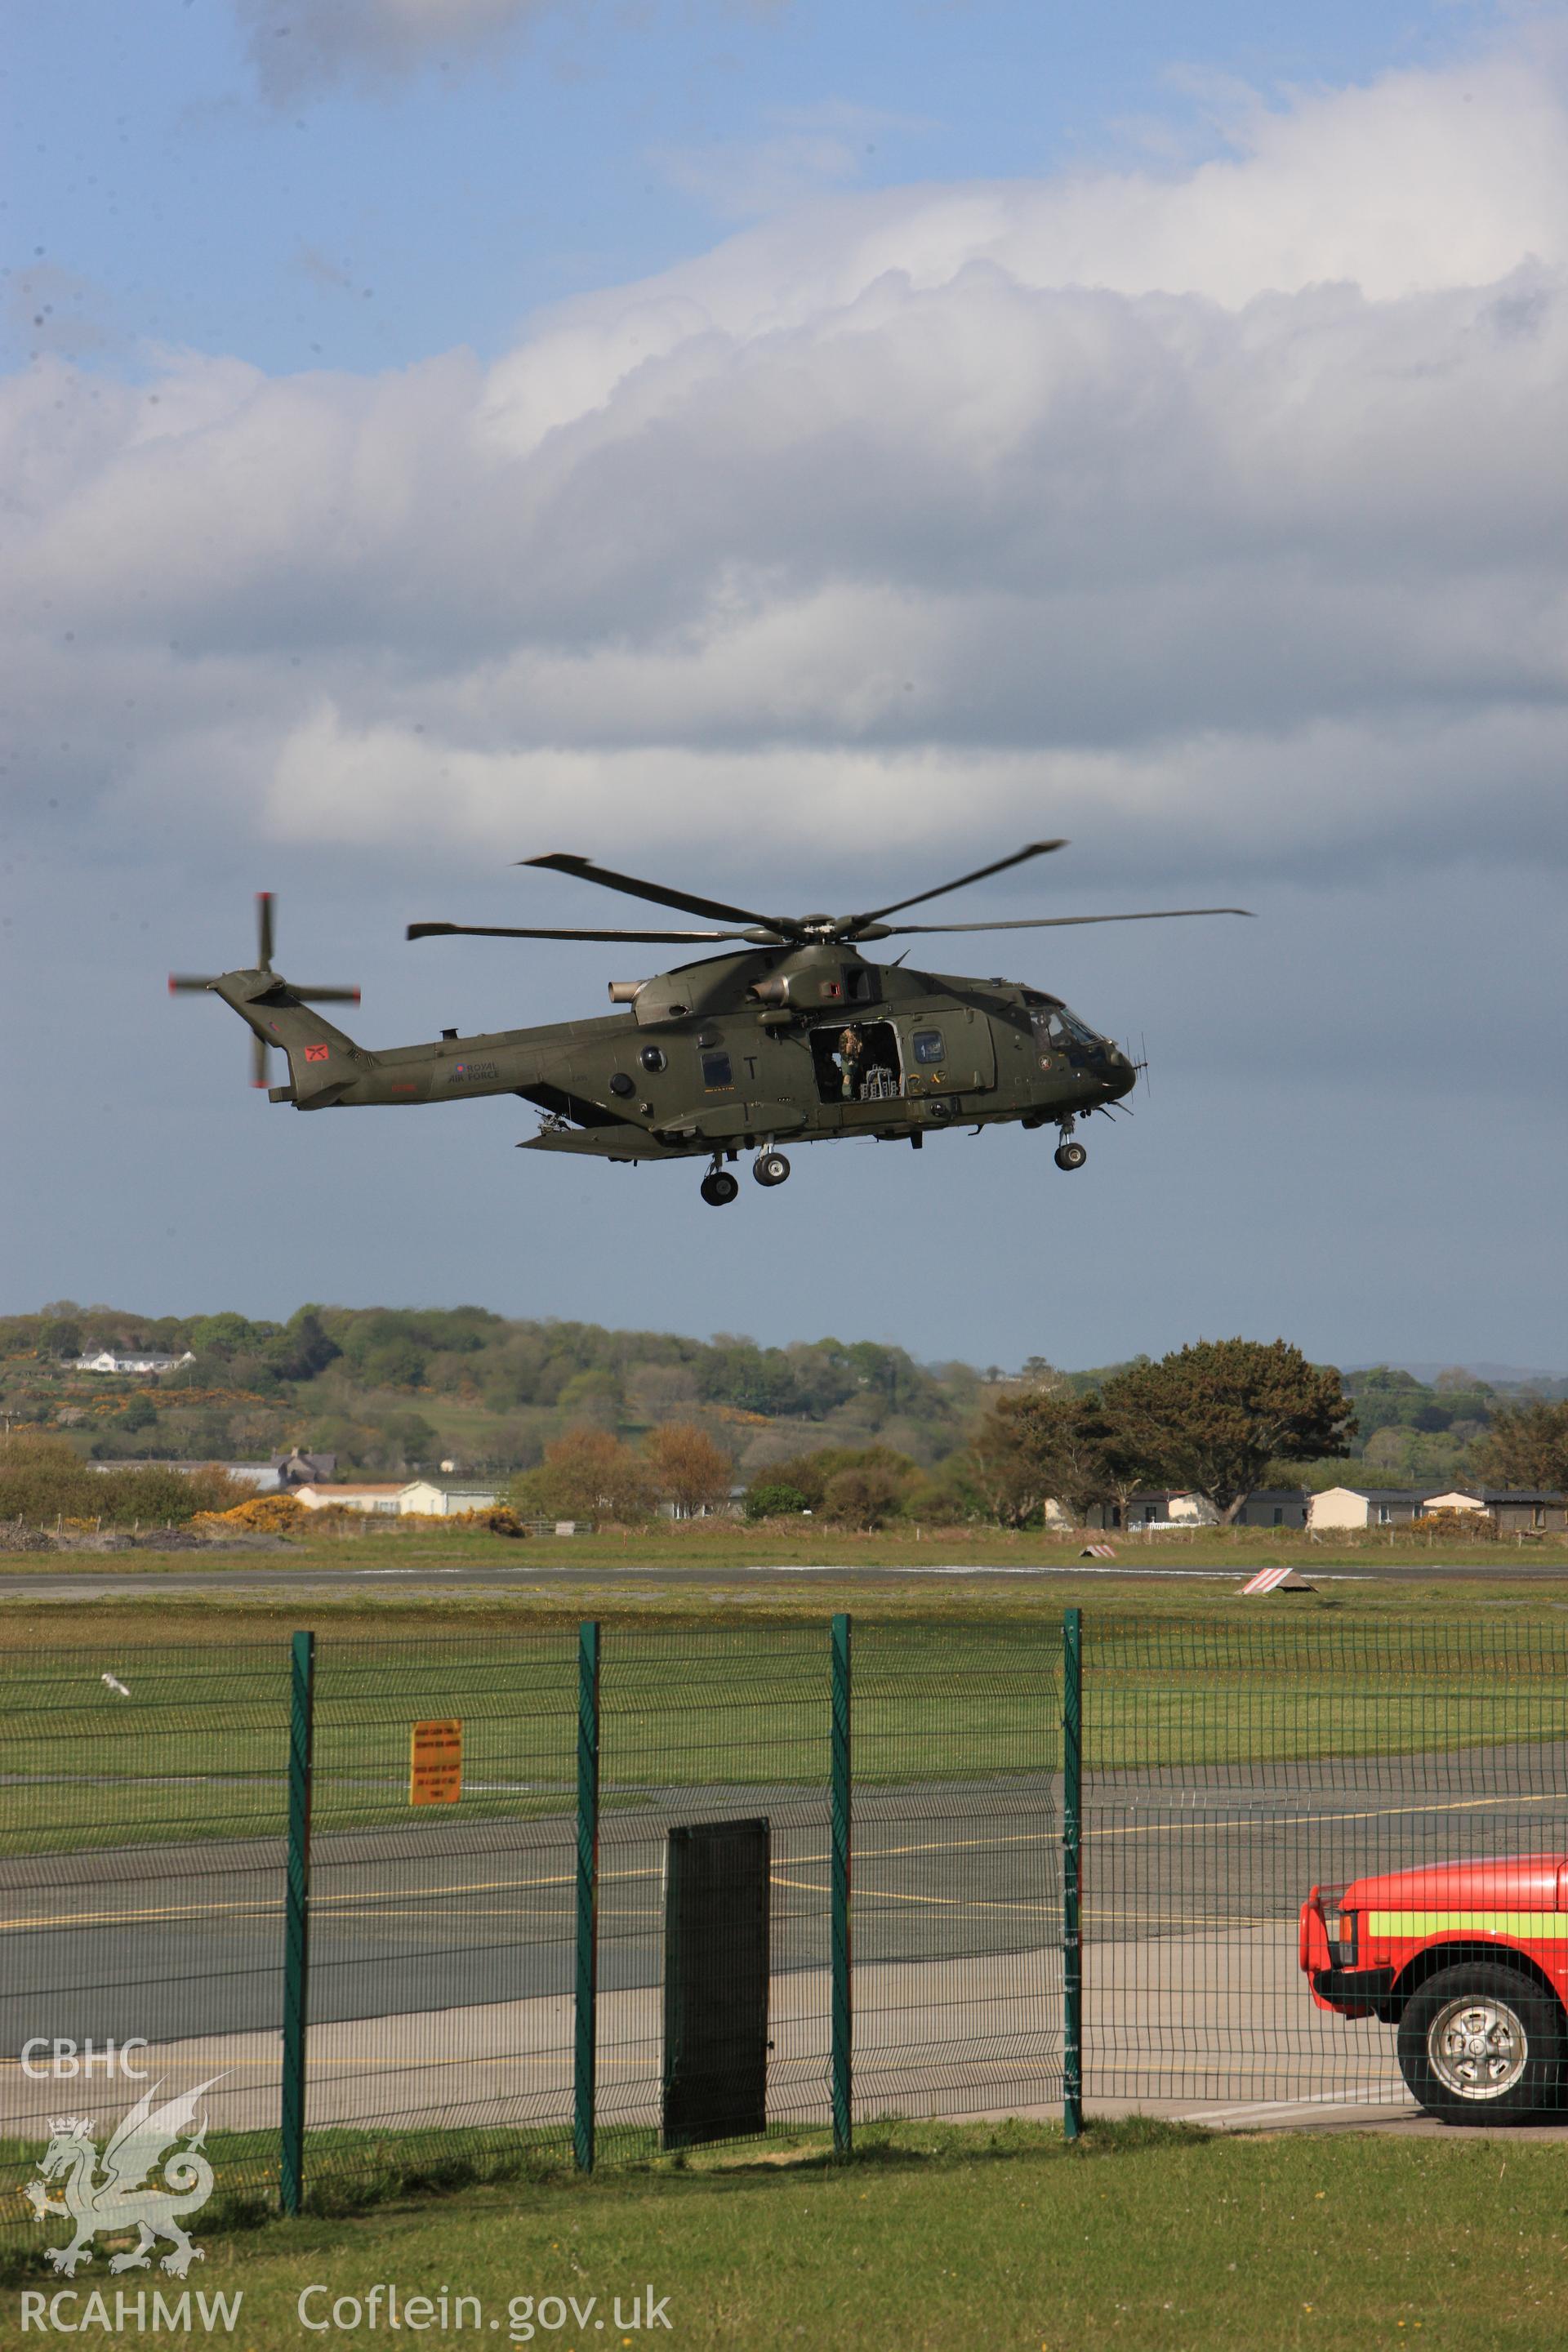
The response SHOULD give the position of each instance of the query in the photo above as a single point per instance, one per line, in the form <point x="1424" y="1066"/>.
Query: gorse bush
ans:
<point x="265" y="1514"/>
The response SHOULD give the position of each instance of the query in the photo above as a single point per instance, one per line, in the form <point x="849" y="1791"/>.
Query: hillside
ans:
<point x="392" y="1390"/>
<point x="395" y="1390"/>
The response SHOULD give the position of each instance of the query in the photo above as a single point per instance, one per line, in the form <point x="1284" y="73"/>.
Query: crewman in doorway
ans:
<point x="850" y="1050"/>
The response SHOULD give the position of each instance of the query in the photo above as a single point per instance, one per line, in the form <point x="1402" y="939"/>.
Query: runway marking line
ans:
<point x="262" y="1907"/>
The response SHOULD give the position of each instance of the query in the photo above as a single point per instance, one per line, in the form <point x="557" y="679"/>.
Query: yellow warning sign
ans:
<point x="435" y="1763"/>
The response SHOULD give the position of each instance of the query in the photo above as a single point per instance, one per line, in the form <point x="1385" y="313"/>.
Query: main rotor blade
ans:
<point x="264" y="932"/>
<point x="512" y="932"/>
<point x="558" y="862"/>
<point x="875" y="914"/>
<point x="1060" y="922"/>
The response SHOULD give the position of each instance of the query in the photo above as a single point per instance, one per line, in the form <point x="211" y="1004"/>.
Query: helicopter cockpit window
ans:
<point x="929" y="1046"/>
<point x="1059" y="1030"/>
<point x="857" y="1061"/>
<point x="716" y="1070"/>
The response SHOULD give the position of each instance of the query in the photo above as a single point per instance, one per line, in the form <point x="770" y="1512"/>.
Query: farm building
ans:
<point x="443" y="1498"/>
<point x="1366" y="1506"/>
<point x="1516" y="1510"/>
<point x="370" y="1496"/>
<point x="129" y="1360"/>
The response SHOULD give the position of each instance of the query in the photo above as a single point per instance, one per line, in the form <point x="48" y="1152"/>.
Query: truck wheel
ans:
<point x="1481" y="2044"/>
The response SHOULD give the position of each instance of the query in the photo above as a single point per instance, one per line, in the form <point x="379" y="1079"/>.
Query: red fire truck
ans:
<point x="1470" y="1961"/>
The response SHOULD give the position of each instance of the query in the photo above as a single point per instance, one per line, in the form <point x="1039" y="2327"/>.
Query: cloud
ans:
<point x="1218" y="517"/>
<point x="299" y="45"/>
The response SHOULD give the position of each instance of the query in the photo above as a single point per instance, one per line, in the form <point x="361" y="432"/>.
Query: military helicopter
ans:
<point x="794" y="1036"/>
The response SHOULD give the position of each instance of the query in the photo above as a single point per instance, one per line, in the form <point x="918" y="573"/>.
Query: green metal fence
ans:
<point x="1230" y="1765"/>
<point x="963" y="1868"/>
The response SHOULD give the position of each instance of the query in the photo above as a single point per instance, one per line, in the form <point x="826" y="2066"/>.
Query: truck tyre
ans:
<point x="1482" y="2042"/>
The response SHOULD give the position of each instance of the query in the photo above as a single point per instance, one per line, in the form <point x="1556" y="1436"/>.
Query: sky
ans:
<point x="804" y="451"/>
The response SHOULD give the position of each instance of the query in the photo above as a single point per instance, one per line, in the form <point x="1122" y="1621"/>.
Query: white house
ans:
<point x="129" y="1360"/>
<point x="371" y="1495"/>
<point x="1364" y="1507"/>
<point x="443" y="1498"/>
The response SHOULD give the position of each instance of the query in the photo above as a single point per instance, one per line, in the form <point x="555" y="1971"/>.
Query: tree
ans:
<point x="303" y="1349"/>
<point x="775" y="1500"/>
<point x="1213" y="1416"/>
<point x="1526" y="1445"/>
<point x="585" y="1475"/>
<point x="690" y="1470"/>
<point x="811" y="1474"/>
<point x="226" y="1334"/>
<point x="865" y="1495"/>
<point x="1036" y="1446"/>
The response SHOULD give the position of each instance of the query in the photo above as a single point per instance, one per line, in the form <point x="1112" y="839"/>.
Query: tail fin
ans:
<point x="323" y="1062"/>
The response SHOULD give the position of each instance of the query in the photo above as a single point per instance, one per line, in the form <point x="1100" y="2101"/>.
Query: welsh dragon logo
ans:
<point x="121" y="2196"/>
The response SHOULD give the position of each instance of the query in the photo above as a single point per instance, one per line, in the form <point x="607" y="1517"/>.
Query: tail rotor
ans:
<point x="189" y="983"/>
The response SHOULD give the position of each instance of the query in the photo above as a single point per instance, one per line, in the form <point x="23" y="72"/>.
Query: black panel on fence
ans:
<point x="716" y="1982"/>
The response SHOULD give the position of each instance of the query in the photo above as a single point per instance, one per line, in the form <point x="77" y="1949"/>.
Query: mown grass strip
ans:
<point x="939" y="2238"/>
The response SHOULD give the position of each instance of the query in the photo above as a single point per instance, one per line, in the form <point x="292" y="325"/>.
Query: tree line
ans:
<point x="395" y="1392"/>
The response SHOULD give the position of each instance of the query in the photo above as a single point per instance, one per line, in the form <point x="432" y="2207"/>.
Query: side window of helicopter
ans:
<point x="857" y="1061"/>
<point x="716" y="1071"/>
<point x="1050" y="1037"/>
<point x="929" y="1046"/>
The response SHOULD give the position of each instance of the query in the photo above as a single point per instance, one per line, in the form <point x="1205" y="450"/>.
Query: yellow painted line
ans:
<point x="1541" y="1926"/>
<point x="946" y="1901"/>
<point x="259" y="1907"/>
<point x="1295" y="1821"/>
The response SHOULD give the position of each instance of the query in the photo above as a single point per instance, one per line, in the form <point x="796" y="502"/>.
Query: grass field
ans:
<point x="941" y="2238"/>
<point x="936" y="2236"/>
<point x="716" y="1544"/>
<point x="969" y="1690"/>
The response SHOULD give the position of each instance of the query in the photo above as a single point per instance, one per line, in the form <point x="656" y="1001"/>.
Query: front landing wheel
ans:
<point x="1070" y="1155"/>
<point x="1480" y="2043"/>
<point x="719" y="1189"/>
<point x="770" y="1168"/>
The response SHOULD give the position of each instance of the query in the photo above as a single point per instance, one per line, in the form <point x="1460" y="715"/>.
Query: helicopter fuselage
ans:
<point x="807" y="1042"/>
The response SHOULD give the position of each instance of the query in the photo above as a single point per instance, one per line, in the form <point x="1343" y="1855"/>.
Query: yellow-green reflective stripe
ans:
<point x="1540" y="1926"/>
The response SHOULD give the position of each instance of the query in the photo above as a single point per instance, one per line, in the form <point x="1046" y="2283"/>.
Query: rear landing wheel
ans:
<point x="1070" y="1155"/>
<point x="719" y="1189"/>
<point x="770" y="1168"/>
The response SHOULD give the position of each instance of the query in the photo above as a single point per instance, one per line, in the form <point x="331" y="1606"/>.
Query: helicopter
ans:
<point x="792" y="1036"/>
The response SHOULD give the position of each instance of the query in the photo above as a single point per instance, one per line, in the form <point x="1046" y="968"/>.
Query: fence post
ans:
<point x="841" y="1808"/>
<point x="1072" y="1878"/>
<point x="585" y="2076"/>
<point x="297" y="1920"/>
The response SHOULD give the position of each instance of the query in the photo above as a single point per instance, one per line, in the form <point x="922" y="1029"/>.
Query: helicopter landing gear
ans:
<point x="1068" y="1153"/>
<point x="770" y="1168"/>
<point x="718" y="1188"/>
